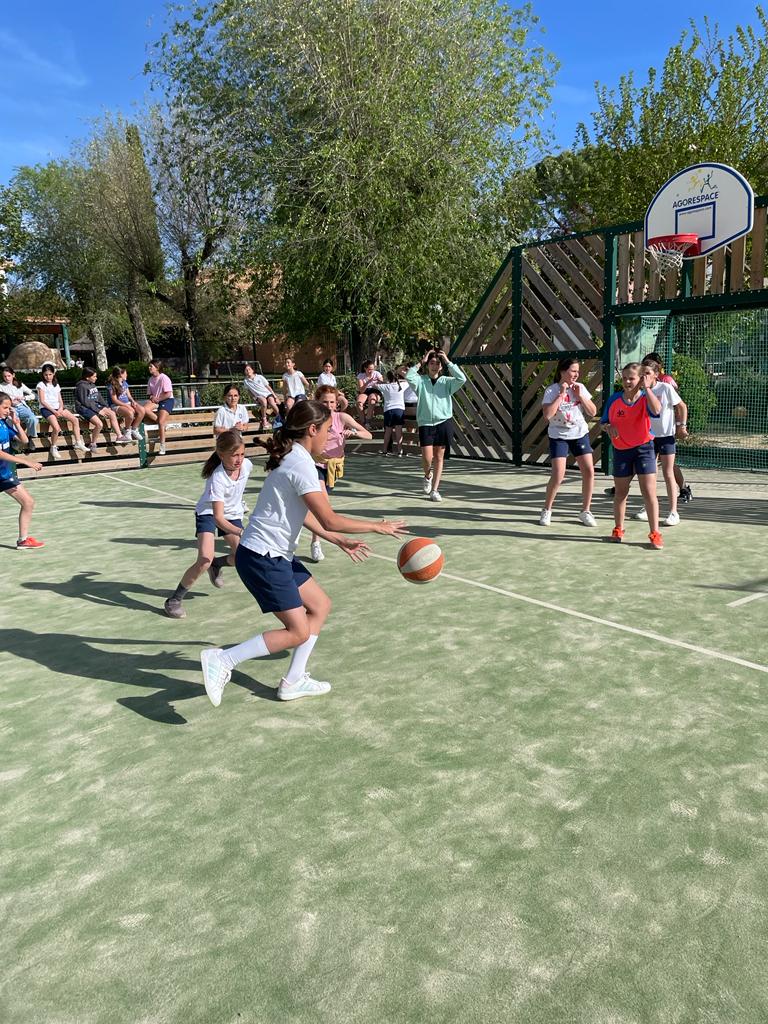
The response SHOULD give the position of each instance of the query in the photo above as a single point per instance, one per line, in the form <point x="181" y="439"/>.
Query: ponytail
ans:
<point x="296" y="425"/>
<point x="226" y="443"/>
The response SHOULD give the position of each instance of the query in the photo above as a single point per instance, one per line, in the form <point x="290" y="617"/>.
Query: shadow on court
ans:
<point x="77" y="656"/>
<point x="89" y="586"/>
<point x="138" y="504"/>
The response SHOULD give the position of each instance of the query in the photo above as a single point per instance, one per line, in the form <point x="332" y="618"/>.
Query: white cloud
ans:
<point x="19" y="60"/>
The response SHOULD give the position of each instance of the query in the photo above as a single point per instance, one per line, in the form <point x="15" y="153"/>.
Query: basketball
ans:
<point x="420" y="560"/>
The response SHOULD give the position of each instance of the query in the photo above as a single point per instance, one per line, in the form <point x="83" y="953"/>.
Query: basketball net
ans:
<point x="669" y="251"/>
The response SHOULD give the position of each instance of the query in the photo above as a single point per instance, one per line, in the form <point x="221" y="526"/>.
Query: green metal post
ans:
<point x="516" y="328"/>
<point x="65" y="339"/>
<point x="609" y="338"/>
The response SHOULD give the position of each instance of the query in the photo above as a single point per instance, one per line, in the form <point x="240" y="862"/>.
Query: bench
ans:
<point x="189" y="438"/>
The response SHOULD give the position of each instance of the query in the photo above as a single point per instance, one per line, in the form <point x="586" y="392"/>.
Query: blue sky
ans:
<point x="63" y="64"/>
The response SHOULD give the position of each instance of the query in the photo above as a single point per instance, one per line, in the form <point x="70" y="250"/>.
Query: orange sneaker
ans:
<point x="29" y="542"/>
<point x="657" y="541"/>
<point x="617" y="534"/>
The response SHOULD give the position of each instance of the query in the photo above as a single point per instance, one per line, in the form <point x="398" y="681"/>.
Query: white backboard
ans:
<point x="712" y="201"/>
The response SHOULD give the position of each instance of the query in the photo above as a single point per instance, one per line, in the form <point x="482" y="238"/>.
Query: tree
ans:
<point x="58" y="249"/>
<point x="124" y="213"/>
<point x="708" y="103"/>
<point x="371" y="144"/>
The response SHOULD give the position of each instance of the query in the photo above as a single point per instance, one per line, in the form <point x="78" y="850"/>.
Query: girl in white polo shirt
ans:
<point x="257" y="385"/>
<point x="232" y="415"/>
<point x="219" y="510"/>
<point x="52" y="408"/>
<point x="290" y="499"/>
<point x="564" y="405"/>
<point x="295" y="385"/>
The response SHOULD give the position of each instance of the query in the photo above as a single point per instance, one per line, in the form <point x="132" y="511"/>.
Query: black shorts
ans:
<point x="9" y="484"/>
<point x="394" y="417"/>
<point x="439" y="435"/>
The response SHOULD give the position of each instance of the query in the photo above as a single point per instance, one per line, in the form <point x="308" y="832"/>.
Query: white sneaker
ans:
<point x="642" y="516"/>
<point x="161" y="450"/>
<point x="546" y="517"/>
<point x="306" y="687"/>
<point x="135" y="434"/>
<point x="672" y="519"/>
<point x="215" y="674"/>
<point x="586" y="518"/>
<point x="81" y="446"/>
<point x="124" y="439"/>
<point x="93" y="448"/>
<point x="316" y="552"/>
<point x="435" y="496"/>
<point x="428" y="483"/>
<point x="55" y="453"/>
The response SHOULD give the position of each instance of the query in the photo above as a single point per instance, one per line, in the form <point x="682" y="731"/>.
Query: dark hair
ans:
<point x="231" y="387"/>
<point x="564" y="363"/>
<point x="114" y="379"/>
<point x="5" y="367"/>
<point x="297" y="423"/>
<point x="88" y="371"/>
<point x="328" y="362"/>
<point x="365" y="364"/>
<point x="226" y="444"/>
<point x="157" y="363"/>
<point x="655" y="357"/>
<point x="391" y="376"/>
<point x="652" y="364"/>
<point x="52" y="368"/>
<point x="433" y="352"/>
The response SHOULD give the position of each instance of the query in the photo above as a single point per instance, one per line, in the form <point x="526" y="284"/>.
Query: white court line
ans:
<point x="746" y="600"/>
<point x="656" y="637"/>
<point x="146" y="487"/>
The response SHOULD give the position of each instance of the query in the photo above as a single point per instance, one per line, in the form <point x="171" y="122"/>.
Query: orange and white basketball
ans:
<point x="420" y="560"/>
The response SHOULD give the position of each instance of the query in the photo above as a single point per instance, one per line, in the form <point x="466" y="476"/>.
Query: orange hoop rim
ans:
<point x="684" y="243"/>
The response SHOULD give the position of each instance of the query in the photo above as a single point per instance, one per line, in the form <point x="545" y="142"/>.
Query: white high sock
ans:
<point x="298" y="665"/>
<point x="253" y="648"/>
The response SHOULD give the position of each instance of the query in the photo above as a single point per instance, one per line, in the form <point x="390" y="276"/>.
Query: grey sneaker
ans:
<point x="215" y="674"/>
<point x="174" y="609"/>
<point x="306" y="687"/>
<point x="214" y="575"/>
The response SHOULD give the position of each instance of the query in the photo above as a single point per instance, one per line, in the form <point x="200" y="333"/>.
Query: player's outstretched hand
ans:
<point x="392" y="527"/>
<point x="357" y="550"/>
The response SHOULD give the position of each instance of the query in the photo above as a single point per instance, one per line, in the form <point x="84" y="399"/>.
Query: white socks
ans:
<point x="298" y="665"/>
<point x="253" y="648"/>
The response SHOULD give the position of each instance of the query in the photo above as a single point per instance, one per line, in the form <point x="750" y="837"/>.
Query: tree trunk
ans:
<point x="137" y="323"/>
<point x="96" y="334"/>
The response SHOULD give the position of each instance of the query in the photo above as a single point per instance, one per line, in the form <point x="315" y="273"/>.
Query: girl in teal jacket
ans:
<point x="435" y="380"/>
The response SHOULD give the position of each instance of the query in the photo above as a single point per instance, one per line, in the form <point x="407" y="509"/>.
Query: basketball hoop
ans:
<point x="669" y="251"/>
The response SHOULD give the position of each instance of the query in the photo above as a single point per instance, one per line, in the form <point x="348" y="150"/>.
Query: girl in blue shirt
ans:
<point x="11" y="428"/>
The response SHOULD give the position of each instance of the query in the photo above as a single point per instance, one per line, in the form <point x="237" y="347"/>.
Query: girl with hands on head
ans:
<point x="566" y="406"/>
<point x="626" y="420"/>
<point x="290" y="499"/>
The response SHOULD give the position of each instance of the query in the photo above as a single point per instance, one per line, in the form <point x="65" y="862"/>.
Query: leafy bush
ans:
<point x="347" y="384"/>
<point x="695" y="390"/>
<point x="212" y="394"/>
<point x="742" y="400"/>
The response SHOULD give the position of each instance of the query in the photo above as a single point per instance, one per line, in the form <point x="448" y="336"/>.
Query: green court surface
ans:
<point x="536" y="793"/>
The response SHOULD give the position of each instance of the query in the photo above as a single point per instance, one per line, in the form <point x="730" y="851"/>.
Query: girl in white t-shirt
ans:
<point x="295" y="385"/>
<point x="52" y="408"/>
<point x="220" y="509"/>
<point x="368" y="394"/>
<point x="671" y="423"/>
<point x="565" y="404"/>
<point x="393" y="393"/>
<point x="232" y="415"/>
<point x="290" y="499"/>
<point x="260" y="389"/>
<point x="327" y="378"/>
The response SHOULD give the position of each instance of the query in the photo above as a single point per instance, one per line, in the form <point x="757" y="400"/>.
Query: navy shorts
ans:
<point x="322" y="473"/>
<point x="394" y="417"/>
<point x="86" y="414"/>
<point x="167" y="404"/>
<point x="47" y="412"/>
<point x="560" y="448"/>
<point x="640" y="460"/>
<point x="664" y="445"/>
<point x="440" y="434"/>
<point x="8" y="485"/>
<point x="207" y="524"/>
<point x="274" y="582"/>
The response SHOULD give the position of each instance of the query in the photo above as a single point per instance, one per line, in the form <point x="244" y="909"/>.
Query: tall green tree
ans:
<point x="58" y="250"/>
<point x="124" y="214"/>
<point x="371" y="143"/>
<point x="709" y="102"/>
